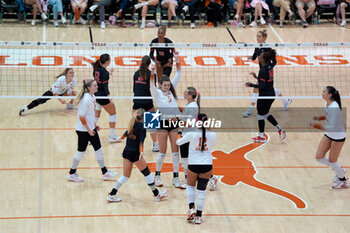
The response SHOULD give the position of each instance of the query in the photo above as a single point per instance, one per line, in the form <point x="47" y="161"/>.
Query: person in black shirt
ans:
<point x="142" y="88"/>
<point x="133" y="154"/>
<point x="164" y="59"/>
<point x="261" y="37"/>
<point x="265" y="86"/>
<point x="101" y="76"/>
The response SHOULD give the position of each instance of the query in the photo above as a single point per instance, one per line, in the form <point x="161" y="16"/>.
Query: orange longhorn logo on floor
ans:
<point x="234" y="168"/>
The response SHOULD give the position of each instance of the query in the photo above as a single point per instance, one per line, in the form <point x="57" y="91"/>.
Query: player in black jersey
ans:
<point x="265" y="85"/>
<point x="101" y="76"/>
<point x="133" y="154"/>
<point x="142" y="88"/>
<point x="261" y="37"/>
<point x="164" y="59"/>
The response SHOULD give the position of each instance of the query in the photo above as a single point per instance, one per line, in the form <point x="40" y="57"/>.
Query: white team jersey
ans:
<point x="86" y="108"/>
<point x="334" y="126"/>
<point x="196" y="156"/>
<point x="190" y="112"/>
<point x="165" y="100"/>
<point x="61" y="86"/>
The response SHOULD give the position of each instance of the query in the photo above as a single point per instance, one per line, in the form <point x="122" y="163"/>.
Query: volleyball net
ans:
<point x="216" y="70"/>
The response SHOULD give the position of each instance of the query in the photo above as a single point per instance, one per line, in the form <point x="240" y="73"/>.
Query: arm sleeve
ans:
<point x="254" y="54"/>
<point x="151" y="54"/>
<point x="273" y="62"/>
<point x="153" y="88"/>
<point x="105" y="83"/>
<point x="186" y="138"/>
<point x="171" y="51"/>
<point x="176" y="78"/>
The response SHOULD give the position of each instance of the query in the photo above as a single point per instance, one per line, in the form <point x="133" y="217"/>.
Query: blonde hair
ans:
<point x="138" y="115"/>
<point x="86" y="83"/>
<point x="65" y="72"/>
<point x="193" y="92"/>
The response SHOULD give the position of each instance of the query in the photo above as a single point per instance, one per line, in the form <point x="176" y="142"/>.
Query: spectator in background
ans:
<point x="101" y="4"/>
<point x="311" y="6"/>
<point x="343" y="5"/>
<point x="259" y="5"/>
<point x="239" y="6"/>
<point x="36" y="6"/>
<point x="124" y="5"/>
<point x="191" y="6"/>
<point x="78" y="7"/>
<point x="144" y="5"/>
<point x="56" y="8"/>
<point x="213" y="12"/>
<point x="284" y="7"/>
<point x="171" y="6"/>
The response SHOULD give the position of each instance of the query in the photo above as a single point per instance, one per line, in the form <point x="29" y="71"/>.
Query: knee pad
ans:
<point x="277" y="92"/>
<point x="98" y="107"/>
<point x="153" y="130"/>
<point x="146" y="171"/>
<point x="263" y="117"/>
<point x="113" y="118"/>
<point x="202" y="183"/>
<point x="79" y="155"/>
<point x="99" y="154"/>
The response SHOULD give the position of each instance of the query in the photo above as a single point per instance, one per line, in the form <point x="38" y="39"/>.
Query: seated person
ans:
<point x="78" y="7"/>
<point x="284" y="7"/>
<point x="311" y="6"/>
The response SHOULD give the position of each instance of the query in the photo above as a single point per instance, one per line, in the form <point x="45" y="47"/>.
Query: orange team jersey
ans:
<point x="209" y="1"/>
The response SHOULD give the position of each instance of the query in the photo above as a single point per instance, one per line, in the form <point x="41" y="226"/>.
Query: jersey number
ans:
<point x="97" y="76"/>
<point x="200" y="144"/>
<point x="271" y="76"/>
<point x="161" y="53"/>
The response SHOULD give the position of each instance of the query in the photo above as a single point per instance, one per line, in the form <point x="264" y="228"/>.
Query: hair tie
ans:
<point x="197" y="93"/>
<point x="136" y="114"/>
<point x="336" y="91"/>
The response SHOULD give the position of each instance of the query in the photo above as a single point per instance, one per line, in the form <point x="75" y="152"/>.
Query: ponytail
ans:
<point x="165" y="78"/>
<point x="138" y="115"/>
<point x="193" y="92"/>
<point x="202" y="117"/>
<point x="86" y="83"/>
<point x="102" y="60"/>
<point x="145" y="62"/>
<point x="335" y="95"/>
<point x="65" y="72"/>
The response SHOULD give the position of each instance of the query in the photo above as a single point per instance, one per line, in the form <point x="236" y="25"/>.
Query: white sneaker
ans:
<point x="198" y="220"/>
<point x="282" y="133"/>
<point x="262" y="21"/>
<point x="114" y="138"/>
<point x="158" y="181"/>
<point x="341" y="185"/>
<point x="63" y="19"/>
<point x="177" y="183"/>
<point x="253" y="24"/>
<point x="73" y="20"/>
<point x="70" y="106"/>
<point x="212" y="183"/>
<point x="193" y="25"/>
<point x="143" y="25"/>
<point x="343" y="23"/>
<point x="248" y="113"/>
<point x="240" y="25"/>
<point x="93" y="8"/>
<point x="185" y="8"/>
<point x="286" y="105"/>
<point x="191" y="213"/>
<point x="55" y="23"/>
<point x="109" y="175"/>
<point x="138" y="5"/>
<point x="33" y="22"/>
<point x="82" y="21"/>
<point x="336" y="179"/>
<point x="22" y="110"/>
<point x="103" y="25"/>
<point x="43" y="16"/>
<point x="155" y="147"/>
<point x="74" y="177"/>
<point x="161" y="195"/>
<point x="113" y="198"/>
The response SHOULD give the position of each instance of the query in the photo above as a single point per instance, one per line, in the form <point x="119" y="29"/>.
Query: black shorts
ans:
<point x="199" y="168"/>
<point x="103" y="101"/>
<point x="184" y="150"/>
<point x="167" y="128"/>
<point x="263" y="106"/>
<point x="131" y="156"/>
<point x="146" y="107"/>
<point x="84" y="138"/>
<point x="336" y="140"/>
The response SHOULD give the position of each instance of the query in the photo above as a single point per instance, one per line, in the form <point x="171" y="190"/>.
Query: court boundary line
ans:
<point x="276" y="34"/>
<point x="172" y="215"/>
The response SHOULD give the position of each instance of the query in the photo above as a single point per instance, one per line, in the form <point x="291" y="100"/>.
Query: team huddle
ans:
<point x="194" y="144"/>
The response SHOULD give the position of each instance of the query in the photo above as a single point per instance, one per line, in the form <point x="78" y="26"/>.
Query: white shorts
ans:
<point x="170" y="1"/>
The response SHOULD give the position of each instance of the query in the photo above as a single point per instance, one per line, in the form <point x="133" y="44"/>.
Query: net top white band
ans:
<point x="176" y="45"/>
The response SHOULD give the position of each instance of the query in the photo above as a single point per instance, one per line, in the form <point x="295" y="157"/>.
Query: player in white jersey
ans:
<point x="86" y="130"/>
<point x="334" y="136"/>
<point x="166" y="97"/>
<point x="200" y="165"/>
<point x="64" y="86"/>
